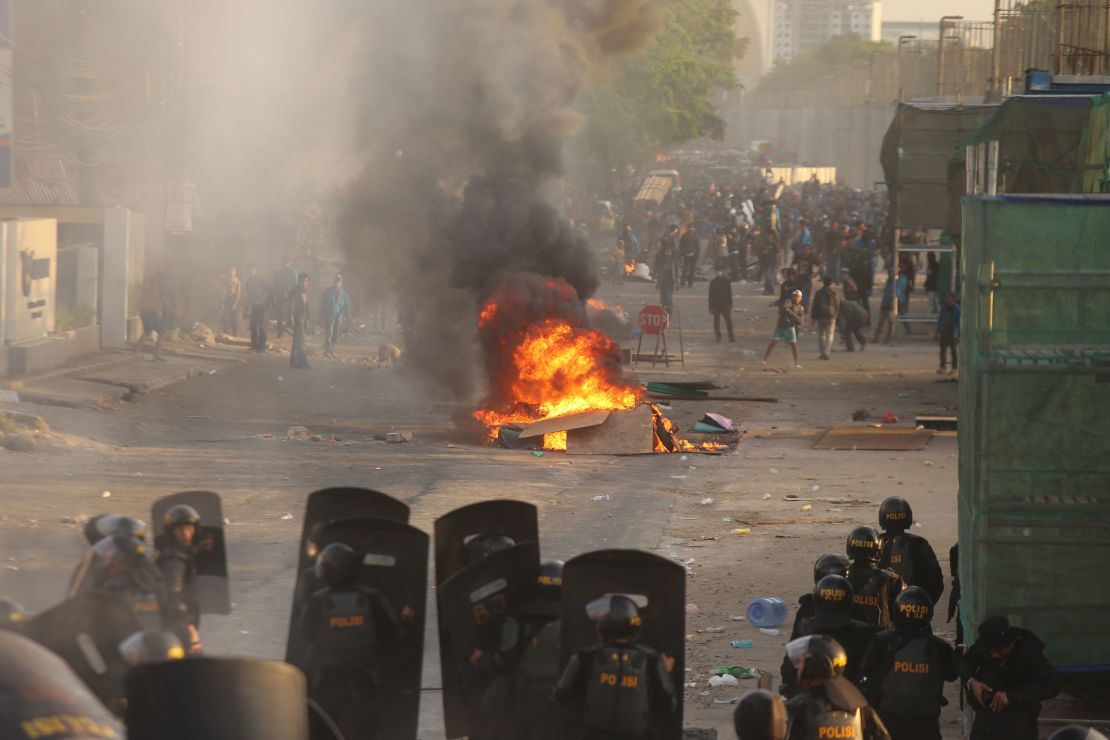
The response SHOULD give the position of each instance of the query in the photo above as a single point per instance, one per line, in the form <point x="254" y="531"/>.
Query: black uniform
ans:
<point x="343" y="626"/>
<point x="904" y="672"/>
<point x="128" y="573"/>
<point x="912" y="558"/>
<point x="517" y="704"/>
<point x="834" y="709"/>
<point x="181" y="607"/>
<point x="1027" y="678"/>
<point x="616" y="685"/>
<point x="874" y="590"/>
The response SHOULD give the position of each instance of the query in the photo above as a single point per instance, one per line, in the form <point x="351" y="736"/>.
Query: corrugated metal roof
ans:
<point x="55" y="182"/>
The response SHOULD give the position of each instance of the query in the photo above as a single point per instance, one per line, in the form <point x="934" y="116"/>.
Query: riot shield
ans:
<point x="86" y="631"/>
<point x="394" y="562"/>
<point x="473" y="605"/>
<point x="217" y="699"/>
<point x="209" y="546"/>
<point x="40" y="696"/>
<point x="92" y="529"/>
<point x="657" y="585"/>
<point x="515" y="519"/>
<point x="346" y="502"/>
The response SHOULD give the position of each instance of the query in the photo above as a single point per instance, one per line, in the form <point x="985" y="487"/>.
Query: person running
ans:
<point x="791" y="317"/>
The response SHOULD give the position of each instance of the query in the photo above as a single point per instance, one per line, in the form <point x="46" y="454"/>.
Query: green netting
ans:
<point x="915" y="154"/>
<point x="1034" y="437"/>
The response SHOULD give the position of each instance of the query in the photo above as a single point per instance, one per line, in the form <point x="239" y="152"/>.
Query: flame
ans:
<point x="544" y="362"/>
<point x="630" y="266"/>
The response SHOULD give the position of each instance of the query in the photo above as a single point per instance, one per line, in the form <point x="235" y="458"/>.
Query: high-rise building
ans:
<point x="800" y="26"/>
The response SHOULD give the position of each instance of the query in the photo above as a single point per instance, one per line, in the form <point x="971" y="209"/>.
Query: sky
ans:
<point x="932" y="10"/>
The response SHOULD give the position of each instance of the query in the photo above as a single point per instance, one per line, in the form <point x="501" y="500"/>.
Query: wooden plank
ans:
<point x="563" y="423"/>
<point x="870" y="438"/>
<point x="629" y="432"/>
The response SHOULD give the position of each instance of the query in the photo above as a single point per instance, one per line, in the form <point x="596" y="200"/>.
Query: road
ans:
<point x="226" y="432"/>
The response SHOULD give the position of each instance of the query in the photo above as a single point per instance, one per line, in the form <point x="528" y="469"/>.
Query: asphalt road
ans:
<point x="225" y="432"/>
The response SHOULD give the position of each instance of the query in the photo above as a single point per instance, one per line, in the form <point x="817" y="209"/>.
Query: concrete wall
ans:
<point x="116" y="277"/>
<point x="847" y="137"/>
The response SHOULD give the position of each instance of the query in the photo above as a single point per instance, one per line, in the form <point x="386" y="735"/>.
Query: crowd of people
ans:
<point x="820" y="248"/>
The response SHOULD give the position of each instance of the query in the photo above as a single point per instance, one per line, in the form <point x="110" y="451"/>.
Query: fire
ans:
<point x="543" y="361"/>
<point x="629" y="267"/>
<point x="561" y="369"/>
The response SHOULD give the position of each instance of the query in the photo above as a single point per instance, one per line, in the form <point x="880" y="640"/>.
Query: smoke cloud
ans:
<point x="465" y="110"/>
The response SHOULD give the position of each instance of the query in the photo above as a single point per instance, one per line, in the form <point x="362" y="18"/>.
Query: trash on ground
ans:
<point x="730" y="700"/>
<point x="774" y="471"/>
<point x="814" y="488"/>
<point x="398" y="437"/>
<point x="678" y="477"/>
<point x="807" y="507"/>
<point x="739" y="671"/>
<point x="767" y="497"/>
<point x="105" y="494"/>
<point x="537" y="453"/>
<point x="725" y="680"/>
<point x="706" y="501"/>
<point x="890" y="418"/>
<point x="742" y="644"/>
<point x="604" y="497"/>
<point x="287" y="517"/>
<point x="742" y="531"/>
<point x="770" y="631"/>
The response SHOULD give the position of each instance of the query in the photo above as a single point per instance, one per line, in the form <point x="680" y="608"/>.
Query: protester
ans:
<point x="720" y="304"/>
<point x="666" y="276"/>
<point x="229" y="303"/>
<point x="298" y="356"/>
<point x="335" y="308"/>
<point x="886" y="311"/>
<point x="948" y="333"/>
<point x="259" y="300"/>
<point x="285" y="277"/>
<point x="152" y="314"/>
<point x="825" y="310"/>
<point x="791" y="317"/>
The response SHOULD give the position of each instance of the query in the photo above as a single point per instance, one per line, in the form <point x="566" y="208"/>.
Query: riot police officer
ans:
<point x="907" y="554"/>
<point x="517" y="704"/>
<point x="874" y="589"/>
<point x="175" y="561"/>
<point x="343" y="624"/>
<point x="107" y="525"/>
<point x="829" y="564"/>
<point x="760" y="715"/>
<point x="828" y="705"/>
<point x="618" y="683"/>
<point x="832" y="604"/>
<point x="121" y="565"/>
<point x="905" y="669"/>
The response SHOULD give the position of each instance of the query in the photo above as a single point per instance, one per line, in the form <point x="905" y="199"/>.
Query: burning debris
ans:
<point x="544" y="363"/>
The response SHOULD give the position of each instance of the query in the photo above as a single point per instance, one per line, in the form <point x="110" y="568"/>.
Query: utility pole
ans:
<point x="996" y="53"/>
<point x="901" y="83"/>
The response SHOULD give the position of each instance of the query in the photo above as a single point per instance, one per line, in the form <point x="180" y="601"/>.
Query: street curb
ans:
<point x="24" y="380"/>
<point x="147" y="386"/>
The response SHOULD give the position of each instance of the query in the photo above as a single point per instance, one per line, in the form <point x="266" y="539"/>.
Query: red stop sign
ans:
<point x="653" y="320"/>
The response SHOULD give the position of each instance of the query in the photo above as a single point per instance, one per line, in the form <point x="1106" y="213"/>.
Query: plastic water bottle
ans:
<point x="767" y="611"/>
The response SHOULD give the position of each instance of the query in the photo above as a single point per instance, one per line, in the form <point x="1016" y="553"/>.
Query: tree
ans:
<point x="664" y="96"/>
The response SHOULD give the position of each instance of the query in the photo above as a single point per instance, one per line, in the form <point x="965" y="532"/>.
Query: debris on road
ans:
<point x="301" y="434"/>
<point x="705" y="501"/>
<point x="105" y="494"/>
<point x="604" y="497"/>
<point x="20" y="442"/>
<point x="398" y="437"/>
<point x="736" y="671"/>
<point x="742" y="531"/>
<point x="724" y="680"/>
<point x="743" y="644"/>
<point x="286" y="517"/>
<point x="807" y="507"/>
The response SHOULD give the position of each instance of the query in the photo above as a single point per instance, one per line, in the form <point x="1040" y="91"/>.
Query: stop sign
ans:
<point x="653" y="320"/>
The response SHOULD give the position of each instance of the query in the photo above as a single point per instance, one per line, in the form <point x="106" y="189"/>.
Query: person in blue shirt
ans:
<point x="335" y="307"/>
<point x="948" y="332"/>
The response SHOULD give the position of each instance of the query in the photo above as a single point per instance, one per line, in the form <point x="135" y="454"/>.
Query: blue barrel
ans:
<point x="767" y="611"/>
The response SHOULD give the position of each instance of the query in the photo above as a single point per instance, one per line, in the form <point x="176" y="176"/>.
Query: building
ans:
<point x="802" y="26"/>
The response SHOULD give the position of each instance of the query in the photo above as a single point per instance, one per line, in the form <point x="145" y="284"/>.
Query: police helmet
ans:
<point x="180" y="515"/>
<point x="864" y="544"/>
<point x="830" y="564"/>
<point x="760" y="715"/>
<point x="895" y="514"/>
<point x="817" y="656"/>
<point x="549" y="580"/>
<point x="913" y="607"/>
<point x="1077" y="732"/>
<point x="151" y="646"/>
<point x="336" y="563"/>
<point x="484" y="545"/>
<point x="96" y="528"/>
<point x="832" y="592"/>
<point x="123" y="550"/>
<point x="12" y="615"/>
<point x="621" y="621"/>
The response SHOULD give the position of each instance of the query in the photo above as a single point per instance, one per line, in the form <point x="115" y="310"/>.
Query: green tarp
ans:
<point x="1034" y="498"/>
